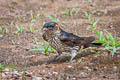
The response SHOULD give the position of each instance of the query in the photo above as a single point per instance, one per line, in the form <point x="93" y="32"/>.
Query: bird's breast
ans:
<point x="57" y="45"/>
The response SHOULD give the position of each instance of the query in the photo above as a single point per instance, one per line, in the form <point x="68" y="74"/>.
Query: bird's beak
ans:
<point x="44" y="30"/>
<point x="58" y="26"/>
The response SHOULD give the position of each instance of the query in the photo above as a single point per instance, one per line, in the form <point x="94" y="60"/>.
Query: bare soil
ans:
<point x="16" y="49"/>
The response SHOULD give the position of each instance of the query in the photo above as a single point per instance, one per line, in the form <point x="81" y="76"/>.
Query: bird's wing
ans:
<point x="73" y="40"/>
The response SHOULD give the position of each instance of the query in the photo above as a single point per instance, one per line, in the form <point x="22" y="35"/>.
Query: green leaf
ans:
<point x="117" y="44"/>
<point x="2" y="67"/>
<point x="86" y="13"/>
<point x="23" y="74"/>
<point x="114" y="50"/>
<point x="99" y="41"/>
<point x="90" y="18"/>
<point x="94" y="24"/>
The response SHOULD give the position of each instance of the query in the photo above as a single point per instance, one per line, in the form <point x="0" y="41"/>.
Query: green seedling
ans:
<point x="6" y="30"/>
<point x="19" y="30"/>
<point x="31" y="29"/>
<point x="31" y="15"/>
<point x="71" y="12"/>
<point x="37" y="16"/>
<point x="33" y="18"/>
<point x="23" y="73"/>
<point x="1" y="32"/>
<point x="2" y="67"/>
<point x="44" y="47"/>
<point x="52" y="17"/>
<point x="89" y="17"/>
<point x="110" y="42"/>
<point x="12" y="66"/>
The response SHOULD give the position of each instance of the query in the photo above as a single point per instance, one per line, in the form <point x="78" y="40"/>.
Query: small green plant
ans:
<point x="31" y="15"/>
<point x="37" y="16"/>
<point x="44" y="47"/>
<point x="23" y="73"/>
<point x="89" y="17"/>
<point x="33" y="18"/>
<point x="6" y="30"/>
<point x="109" y="41"/>
<point x="19" y="30"/>
<point x="31" y="29"/>
<point x="71" y="12"/>
<point x="12" y="66"/>
<point x="52" y="17"/>
<point x="1" y="31"/>
<point x="2" y="67"/>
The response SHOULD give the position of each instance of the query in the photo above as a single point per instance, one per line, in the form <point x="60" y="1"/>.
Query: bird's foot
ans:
<point x="70" y="62"/>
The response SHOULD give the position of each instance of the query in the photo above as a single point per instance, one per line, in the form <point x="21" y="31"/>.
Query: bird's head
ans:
<point x="51" y="27"/>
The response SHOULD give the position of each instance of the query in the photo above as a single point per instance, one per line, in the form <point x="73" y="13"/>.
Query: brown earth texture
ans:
<point x="16" y="44"/>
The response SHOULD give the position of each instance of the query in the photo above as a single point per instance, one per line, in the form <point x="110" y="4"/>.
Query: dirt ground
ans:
<point x="16" y="50"/>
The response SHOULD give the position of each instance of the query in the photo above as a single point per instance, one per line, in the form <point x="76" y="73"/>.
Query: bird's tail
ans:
<point x="89" y="42"/>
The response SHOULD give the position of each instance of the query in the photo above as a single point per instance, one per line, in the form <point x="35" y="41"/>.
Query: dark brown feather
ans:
<point x="73" y="40"/>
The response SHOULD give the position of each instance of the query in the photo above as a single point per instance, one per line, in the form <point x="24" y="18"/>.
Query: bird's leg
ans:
<point x="73" y="54"/>
<point x="57" y="55"/>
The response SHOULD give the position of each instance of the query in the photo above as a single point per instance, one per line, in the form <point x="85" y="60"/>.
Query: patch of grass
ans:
<point x="71" y="12"/>
<point x="12" y="66"/>
<point x="2" y="67"/>
<point x="45" y="48"/>
<point x="19" y="30"/>
<point x="108" y="40"/>
<point x="52" y="17"/>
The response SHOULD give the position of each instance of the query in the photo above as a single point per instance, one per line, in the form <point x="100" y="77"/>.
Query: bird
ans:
<point x="63" y="41"/>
